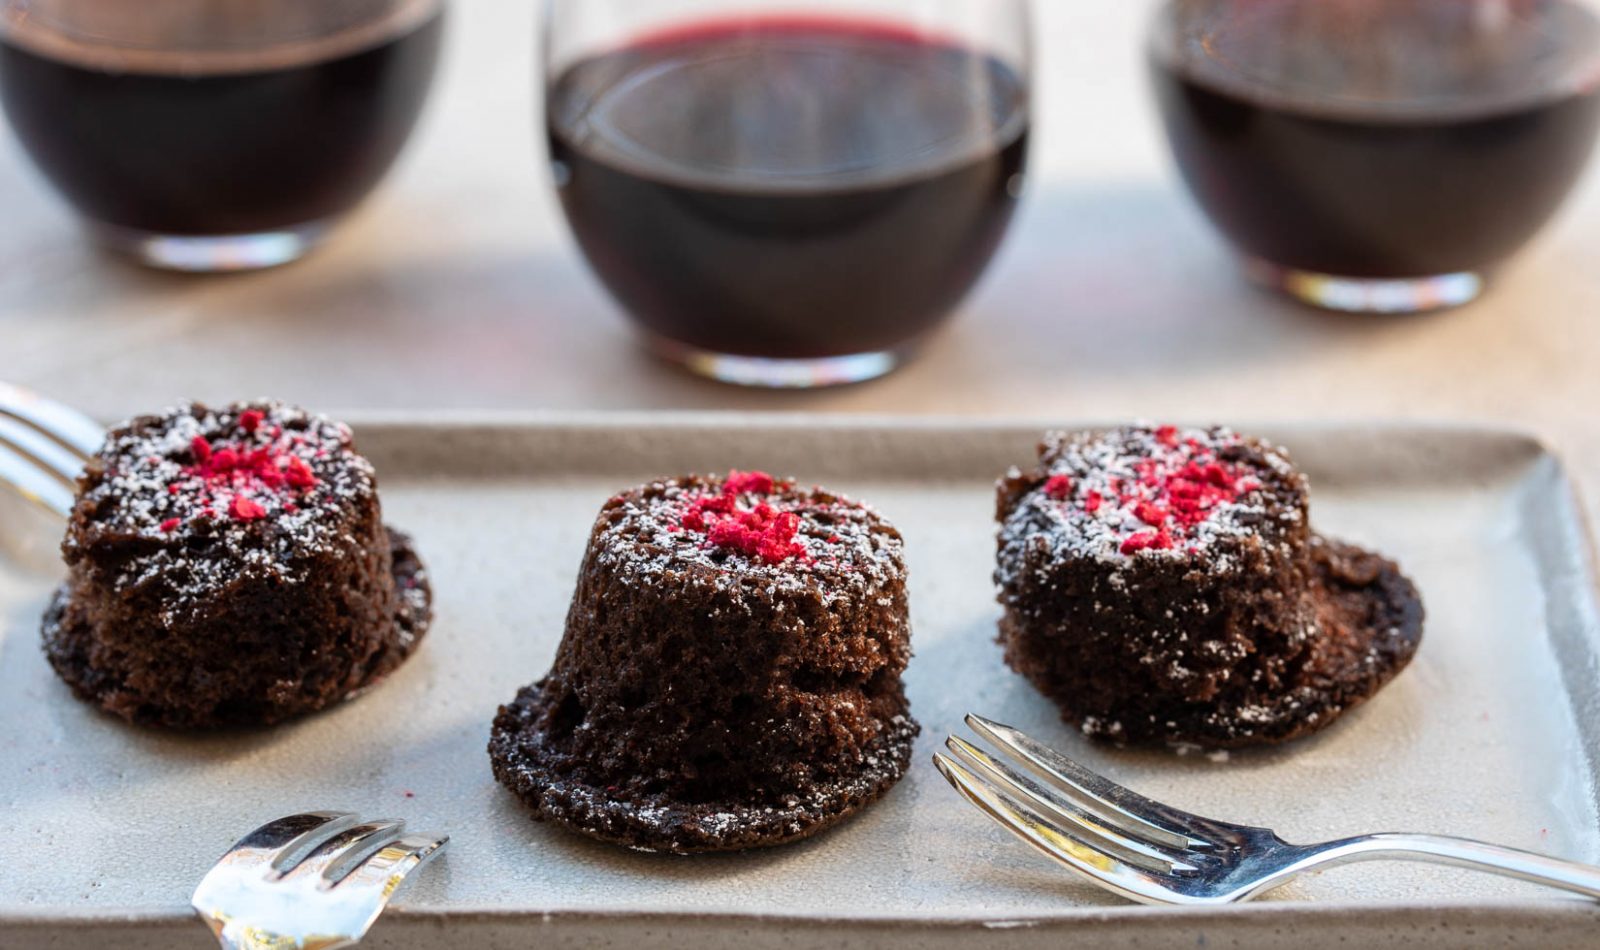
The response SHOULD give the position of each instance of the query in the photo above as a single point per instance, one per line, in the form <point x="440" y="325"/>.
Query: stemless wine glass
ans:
<point x="1379" y="155"/>
<point x="211" y="135"/>
<point x="787" y="194"/>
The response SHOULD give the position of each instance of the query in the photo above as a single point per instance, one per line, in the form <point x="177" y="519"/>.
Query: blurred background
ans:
<point x="457" y="286"/>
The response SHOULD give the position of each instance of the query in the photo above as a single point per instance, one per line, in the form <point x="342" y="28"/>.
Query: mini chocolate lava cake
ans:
<point x="730" y="672"/>
<point x="1165" y="586"/>
<point x="231" y="567"/>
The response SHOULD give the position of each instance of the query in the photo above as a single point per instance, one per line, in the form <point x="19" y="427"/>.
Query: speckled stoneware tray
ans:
<point x="1492" y="733"/>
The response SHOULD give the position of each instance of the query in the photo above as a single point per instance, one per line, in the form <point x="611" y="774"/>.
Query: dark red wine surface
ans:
<point x="166" y="149"/>
<point x="789" y="188"/>
<point x="1379" y="138"/>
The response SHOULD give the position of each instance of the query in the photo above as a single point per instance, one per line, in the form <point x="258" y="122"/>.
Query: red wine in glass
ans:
<point x="1379" y="154"/>
<point x="164" y="150"/>
<point x="789" y="189"/>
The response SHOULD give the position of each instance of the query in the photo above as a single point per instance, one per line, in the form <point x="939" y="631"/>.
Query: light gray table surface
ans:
<point x="457" y="287"/>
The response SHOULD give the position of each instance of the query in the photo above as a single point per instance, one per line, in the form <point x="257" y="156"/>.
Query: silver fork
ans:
<point x="1157" y="854"/>
<point x="43" y="445"/>
<point x="308" y="881"/>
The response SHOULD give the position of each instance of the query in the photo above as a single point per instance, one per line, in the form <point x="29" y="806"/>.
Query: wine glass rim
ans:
<point x="692" y="23"/>
<point x="25" y="27"/>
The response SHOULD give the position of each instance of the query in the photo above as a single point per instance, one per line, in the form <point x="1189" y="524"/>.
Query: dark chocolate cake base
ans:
<point x="412" y="616"/>
<point x="70" y="648"/>
<point x="1369" y="620"/>
<point x="525" y="764"/>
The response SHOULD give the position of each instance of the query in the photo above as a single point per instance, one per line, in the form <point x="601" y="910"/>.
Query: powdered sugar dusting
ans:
<point x="833" y="544"/>
<point x="1144" y="492"/>
<point x="198" y="494"/>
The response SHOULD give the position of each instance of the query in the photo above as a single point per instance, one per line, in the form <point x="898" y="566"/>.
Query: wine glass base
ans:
<point x="764" y="373"/>
<point x="212" y="253"/>
<point x="1365" y="294"/>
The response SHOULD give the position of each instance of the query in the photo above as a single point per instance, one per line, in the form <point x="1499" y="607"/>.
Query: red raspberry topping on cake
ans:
<point x="1157" y="488"/>
<point x="761" y="532"/>
<point x="751" y="483"/>
<point x="1147" y="541"/>
<point x="234" y="478"/>
<point x="243" y="509"/>
<point x="298" y="473"/>
<point x="764" y="534"/>
<point x="1151" y="514"/>
<point x="1058" y="487"/>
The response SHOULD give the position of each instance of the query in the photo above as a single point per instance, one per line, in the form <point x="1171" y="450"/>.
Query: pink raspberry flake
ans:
<point x="762" y="532"/>
<point x="1058" y="487"/>
<point x="238" y="479"/>
<point x="245" y="509"/>
<point x="1165" y="486"/>
<point x="1147" y="541"/>
<point x="224" y="461"/>
<point x="748" y="483"/>
<point x="699" y="516"/>
<point x="1151" y="514"/>
<point x="297" y="472"/>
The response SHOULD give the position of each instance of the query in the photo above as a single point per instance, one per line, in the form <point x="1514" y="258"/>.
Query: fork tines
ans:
<point x="1073" y="815"/>
<point x="317" y="879"/>
<point x="43" y="446"/>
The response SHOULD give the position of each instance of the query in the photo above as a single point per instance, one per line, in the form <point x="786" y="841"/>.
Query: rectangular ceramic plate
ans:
<point x="1492" y="733"/>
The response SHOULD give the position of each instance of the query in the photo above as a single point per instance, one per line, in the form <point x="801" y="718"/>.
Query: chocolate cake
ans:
<point x="231" y="567"/>
<point x="729" y="677"/>
<point x="1165" y="586"/>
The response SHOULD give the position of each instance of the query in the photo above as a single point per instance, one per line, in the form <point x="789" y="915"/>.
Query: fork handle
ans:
<point x="1466" y="853"/>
